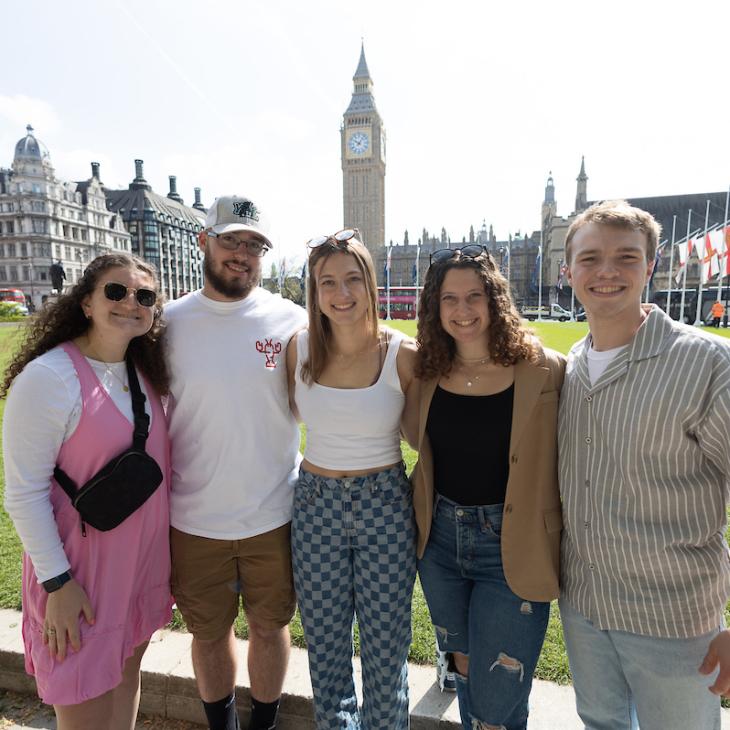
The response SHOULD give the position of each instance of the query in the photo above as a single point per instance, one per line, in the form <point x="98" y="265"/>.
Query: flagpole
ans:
<point x="698" y="312"/>
<point x="418" y="274"/>
<point x="509" y="262"/>
<point x="539" y="287"/>
<point x="684" y="273"/>
<point x="725" y="241"/>
<point x="572" y="304"/>
<point x="387" y="282"/>
<point x="671" y="267"/>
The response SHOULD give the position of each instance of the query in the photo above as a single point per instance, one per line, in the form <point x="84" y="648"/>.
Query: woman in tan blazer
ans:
<point x="485" y="486"/>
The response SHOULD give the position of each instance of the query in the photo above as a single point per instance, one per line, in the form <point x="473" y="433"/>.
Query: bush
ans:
<point x="9" y="312"/>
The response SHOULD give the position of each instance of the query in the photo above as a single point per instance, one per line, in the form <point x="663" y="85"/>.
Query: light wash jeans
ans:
<point x="624" y="681"/>
<point x="475" y="613"/>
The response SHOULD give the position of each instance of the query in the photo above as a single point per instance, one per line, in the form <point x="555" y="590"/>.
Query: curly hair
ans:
<point x="320" y="331"/>
<point x="64" y="320"/>
<point x="508" y="339"/>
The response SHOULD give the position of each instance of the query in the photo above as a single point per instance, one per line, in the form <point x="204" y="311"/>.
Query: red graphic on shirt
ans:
<point x="269" y="349"/>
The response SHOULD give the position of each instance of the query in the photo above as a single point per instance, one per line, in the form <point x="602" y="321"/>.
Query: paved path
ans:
<point x="170" y="698"/>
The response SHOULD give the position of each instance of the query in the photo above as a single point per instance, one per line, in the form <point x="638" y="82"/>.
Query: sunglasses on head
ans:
<point x="339" y="238"/>
<point x="471" y="251"/>
<point x="117" y="292"/>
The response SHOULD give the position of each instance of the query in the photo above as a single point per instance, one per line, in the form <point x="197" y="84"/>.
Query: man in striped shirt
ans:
<point x="644" y="436"/>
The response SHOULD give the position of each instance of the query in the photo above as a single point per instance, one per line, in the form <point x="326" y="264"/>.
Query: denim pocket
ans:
<point x="493" y="524"/>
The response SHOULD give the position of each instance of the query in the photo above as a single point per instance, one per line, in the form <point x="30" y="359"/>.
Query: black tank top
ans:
<point x="470" y="437"/>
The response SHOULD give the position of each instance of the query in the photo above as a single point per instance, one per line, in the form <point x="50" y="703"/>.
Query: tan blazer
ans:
<point x="532" y="519"/>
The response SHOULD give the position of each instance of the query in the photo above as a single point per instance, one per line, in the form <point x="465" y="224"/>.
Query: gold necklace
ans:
<point x="351" y="358"/>
<point x="121" y="381"/>
<point x="109" y="370"/>
<point x="474" y="362"/>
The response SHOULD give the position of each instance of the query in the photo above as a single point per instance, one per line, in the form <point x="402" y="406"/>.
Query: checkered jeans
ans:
<point x="354" y="553"/>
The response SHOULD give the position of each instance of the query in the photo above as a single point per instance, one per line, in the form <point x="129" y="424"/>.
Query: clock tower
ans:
<point x="362" y="142"/>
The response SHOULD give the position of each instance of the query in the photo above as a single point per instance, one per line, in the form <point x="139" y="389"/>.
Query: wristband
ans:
<point x="53" y="584"/>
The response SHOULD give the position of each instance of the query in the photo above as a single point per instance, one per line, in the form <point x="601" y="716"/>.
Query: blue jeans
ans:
<point x="354" y="552"/>
<point x="623" y="681"/>
<point x="475" y="613"/>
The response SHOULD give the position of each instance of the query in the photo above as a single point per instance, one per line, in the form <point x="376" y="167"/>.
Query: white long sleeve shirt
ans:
<point x="42" y="411"/>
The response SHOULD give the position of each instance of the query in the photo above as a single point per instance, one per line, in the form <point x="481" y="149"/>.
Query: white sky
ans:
<point x="480" y="101"/>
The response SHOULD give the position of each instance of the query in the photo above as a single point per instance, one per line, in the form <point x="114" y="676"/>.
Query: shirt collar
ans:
<point x="650" y="339"/>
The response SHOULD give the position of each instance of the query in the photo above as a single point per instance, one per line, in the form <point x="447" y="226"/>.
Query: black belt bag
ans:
<point x="124" y="484"/>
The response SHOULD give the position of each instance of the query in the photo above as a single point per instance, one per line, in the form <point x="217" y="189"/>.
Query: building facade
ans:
<point x="685" y="213"/>
<point x="362" y="151"/>
<point x="163" y="230"/>
<point x="44" y="220"/>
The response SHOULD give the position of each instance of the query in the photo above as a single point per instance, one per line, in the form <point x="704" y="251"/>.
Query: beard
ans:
<point x="233" y="289"/>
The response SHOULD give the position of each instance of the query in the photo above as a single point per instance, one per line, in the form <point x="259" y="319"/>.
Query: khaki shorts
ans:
<point x="208" y="575"/>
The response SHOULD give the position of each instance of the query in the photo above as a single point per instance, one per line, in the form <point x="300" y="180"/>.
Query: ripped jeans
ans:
<point x="475" y="613"/>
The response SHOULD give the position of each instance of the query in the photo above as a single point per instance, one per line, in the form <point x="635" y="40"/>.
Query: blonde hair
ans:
<point x="320" y="332"/>
<point x="618" y="214"/>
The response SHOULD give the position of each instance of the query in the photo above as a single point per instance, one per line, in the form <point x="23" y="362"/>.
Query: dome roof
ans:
<point x="30" y="148"/>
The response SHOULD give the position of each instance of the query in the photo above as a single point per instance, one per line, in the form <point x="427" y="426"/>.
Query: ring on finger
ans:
<point x="51" y="632"/>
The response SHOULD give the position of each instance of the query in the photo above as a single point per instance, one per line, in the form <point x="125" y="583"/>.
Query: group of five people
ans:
<point x="622" y="457"/>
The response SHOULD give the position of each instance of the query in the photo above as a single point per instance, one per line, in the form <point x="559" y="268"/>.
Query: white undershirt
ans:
<point x="598" y="361"/>
<point x="42" y="411"/>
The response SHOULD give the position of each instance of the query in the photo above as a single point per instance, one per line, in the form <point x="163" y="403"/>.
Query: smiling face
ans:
<point x="230" y="275"/>
<point x="342" y="295"/>
<point x="464" y="309"/>
<point x="121" y="321"/>
<point x="609" y="271"/>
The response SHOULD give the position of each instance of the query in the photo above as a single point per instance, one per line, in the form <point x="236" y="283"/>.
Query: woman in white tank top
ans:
<point x="353" y="531"/>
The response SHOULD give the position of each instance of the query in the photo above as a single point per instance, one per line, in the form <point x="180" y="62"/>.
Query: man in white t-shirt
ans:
<point x="235" y="456"/>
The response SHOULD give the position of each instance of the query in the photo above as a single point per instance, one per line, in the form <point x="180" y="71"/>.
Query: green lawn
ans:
<point x="553" y="664"/>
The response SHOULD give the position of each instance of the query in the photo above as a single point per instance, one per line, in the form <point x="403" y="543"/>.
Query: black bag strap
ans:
<point x="139" y="437"/>
<point x="65" y="482"/>
<point x="141" y="419"/>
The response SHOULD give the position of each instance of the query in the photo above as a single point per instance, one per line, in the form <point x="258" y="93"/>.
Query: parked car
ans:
<point x="554" y="311"/>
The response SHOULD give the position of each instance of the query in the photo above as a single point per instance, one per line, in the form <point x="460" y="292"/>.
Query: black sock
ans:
<point x="263" y="715"/>
<point x="222" y="714"/>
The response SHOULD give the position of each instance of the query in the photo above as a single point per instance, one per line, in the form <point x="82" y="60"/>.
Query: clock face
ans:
<point x="359" y="143"/>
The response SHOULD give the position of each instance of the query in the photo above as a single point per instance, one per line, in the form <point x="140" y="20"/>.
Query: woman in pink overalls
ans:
<point x="91" y="599"/>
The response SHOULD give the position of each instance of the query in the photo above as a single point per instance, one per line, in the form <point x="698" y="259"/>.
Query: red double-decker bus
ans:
<point x="402" y="302"/>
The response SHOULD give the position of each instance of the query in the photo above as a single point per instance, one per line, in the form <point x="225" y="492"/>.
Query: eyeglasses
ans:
<point x="470" y="251"/>
<point x="117" y="292"/>
<point x="341" y="237"/>
<point x="231" y="243"/>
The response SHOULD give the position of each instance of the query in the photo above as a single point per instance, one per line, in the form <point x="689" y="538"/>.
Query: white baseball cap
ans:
<point x="236" y="213"/>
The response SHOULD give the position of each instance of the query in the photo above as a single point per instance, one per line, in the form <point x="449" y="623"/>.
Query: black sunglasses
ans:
<point x="117" y="292"/>
<point x="341" y="237"/>
<point x="470" y="251"/>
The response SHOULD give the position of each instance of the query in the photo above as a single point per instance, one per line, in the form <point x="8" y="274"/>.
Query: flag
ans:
<point x="657" y="258"/>
<point x="683" y="251"/>
<point x="534" y="282"/>
<point x="561" y="274"/>
<point x="723" y="255"/>
<point x="387" y="260"/>
<point x="708" y="258"/>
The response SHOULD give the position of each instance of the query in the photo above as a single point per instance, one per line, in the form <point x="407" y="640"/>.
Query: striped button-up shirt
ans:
<point x="644" y="476"/>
